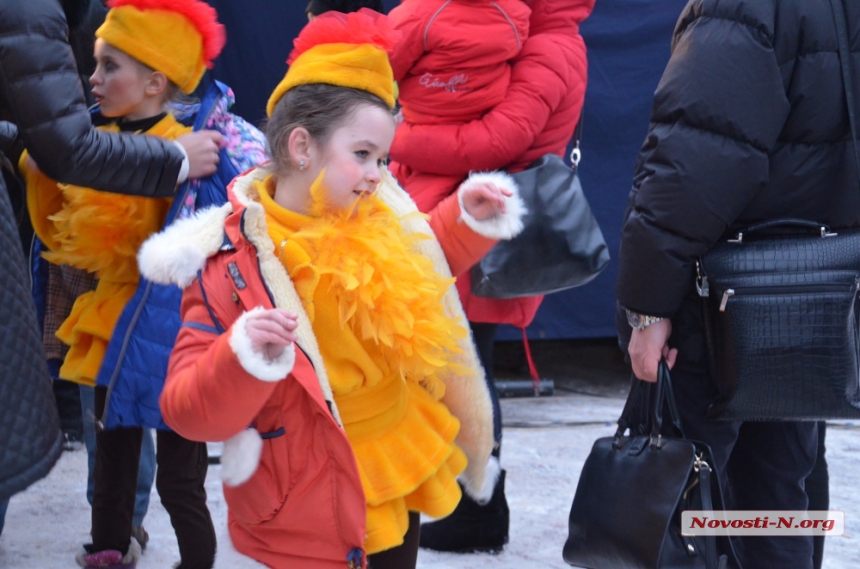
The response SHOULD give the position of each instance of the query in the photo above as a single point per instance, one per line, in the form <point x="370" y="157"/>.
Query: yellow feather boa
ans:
<point x="385" y="291"/>
<point x="99" y="232"/>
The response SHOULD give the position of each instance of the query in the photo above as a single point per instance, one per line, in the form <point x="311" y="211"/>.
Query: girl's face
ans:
<point x="120" y="84"/>
<point x="354" y="155"/>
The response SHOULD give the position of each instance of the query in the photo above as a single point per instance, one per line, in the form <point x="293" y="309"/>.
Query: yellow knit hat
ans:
<point x="348" y="50"/>
<point x="180" y="38"/>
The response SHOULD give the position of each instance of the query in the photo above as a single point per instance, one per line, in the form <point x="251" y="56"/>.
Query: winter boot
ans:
<point x="471" y="527"/>
<point x="141" y="535"/>
<point x="110" y="558"/>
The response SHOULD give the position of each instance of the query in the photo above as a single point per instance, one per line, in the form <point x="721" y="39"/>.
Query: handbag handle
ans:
<point x="640" y="398"/>
<point x="576" y="153"/>
<point x="665" y="398"/>
<point x="801" y="225"/>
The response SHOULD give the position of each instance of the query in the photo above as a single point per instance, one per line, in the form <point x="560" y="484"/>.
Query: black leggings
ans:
<point x="405" y="555"/>
<point x="180" y="477"/>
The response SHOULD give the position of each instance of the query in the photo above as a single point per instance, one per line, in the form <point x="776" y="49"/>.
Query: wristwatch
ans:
<point x="640" y="321"/>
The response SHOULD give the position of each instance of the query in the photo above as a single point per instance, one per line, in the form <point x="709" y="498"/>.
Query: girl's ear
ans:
<point x="156" y="84"/>
<point x="300" y="146"/>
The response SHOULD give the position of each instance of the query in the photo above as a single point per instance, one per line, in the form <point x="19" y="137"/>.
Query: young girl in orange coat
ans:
<point x="319" y="310"/>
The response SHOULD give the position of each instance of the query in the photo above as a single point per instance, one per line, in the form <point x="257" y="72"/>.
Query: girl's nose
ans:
<point x="374" y="175"/>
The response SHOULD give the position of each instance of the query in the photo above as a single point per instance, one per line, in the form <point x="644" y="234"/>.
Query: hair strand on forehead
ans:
<point x="320" y="109"/>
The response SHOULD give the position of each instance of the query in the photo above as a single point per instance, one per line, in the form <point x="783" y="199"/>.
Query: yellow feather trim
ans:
<point x="101" y="231"/>
<point x="385" y="291"/>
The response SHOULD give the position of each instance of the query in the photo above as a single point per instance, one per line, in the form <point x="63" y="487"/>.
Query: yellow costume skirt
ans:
<point x="406" y="456"/>
<point x="89" y="327"/>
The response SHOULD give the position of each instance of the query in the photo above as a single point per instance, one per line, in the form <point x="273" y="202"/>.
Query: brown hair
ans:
<point x="320" y="108"/>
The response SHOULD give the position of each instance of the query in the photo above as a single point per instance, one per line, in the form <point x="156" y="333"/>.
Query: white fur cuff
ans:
<point x="240" y="457"/>
<point x="504" y="226"/>
<point x="482" y="491"/>
<point x="174" y="255"/>
<point x="254" y="363"/>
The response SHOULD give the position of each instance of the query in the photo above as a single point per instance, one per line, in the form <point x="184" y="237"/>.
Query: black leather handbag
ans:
<point x="626" y="513"/>
<point x="561" y="245"/>
<point x="780" y="313"/>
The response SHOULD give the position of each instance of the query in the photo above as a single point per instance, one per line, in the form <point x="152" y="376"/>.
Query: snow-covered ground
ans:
<point x="546" y="442"/>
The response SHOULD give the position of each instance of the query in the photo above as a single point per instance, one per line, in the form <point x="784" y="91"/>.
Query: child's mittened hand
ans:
<point x="271" y="331"/>
<point x="484" y="201"/>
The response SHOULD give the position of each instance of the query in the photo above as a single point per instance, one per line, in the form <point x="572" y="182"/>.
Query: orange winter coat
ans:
<point x="303" y="504"/>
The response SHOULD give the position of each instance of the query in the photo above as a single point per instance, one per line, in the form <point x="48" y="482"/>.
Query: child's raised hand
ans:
<point x="485" y="200"/>
<point x="271" y="331"/>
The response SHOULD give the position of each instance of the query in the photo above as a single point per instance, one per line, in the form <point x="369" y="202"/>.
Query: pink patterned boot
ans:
<point x="110" y="558"/>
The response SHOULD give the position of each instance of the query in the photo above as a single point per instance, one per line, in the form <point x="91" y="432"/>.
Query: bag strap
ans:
<point x="640" y="399"/>
<point x="634" y="399"/>
<point x="845" y="65"/>
<point x="665" y="399"/>
<point x="576" y="153"/>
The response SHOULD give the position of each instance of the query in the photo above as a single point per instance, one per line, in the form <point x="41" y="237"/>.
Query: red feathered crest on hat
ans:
<point x="201" y="15"/>
<point x="363" y="26"/>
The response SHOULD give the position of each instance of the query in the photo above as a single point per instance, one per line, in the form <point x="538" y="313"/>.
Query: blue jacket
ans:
<point x="135" y="365"/>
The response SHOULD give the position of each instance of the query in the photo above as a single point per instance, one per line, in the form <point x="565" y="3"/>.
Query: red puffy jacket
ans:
<point x="537" y="117"/>
<point x="452" y="64"/>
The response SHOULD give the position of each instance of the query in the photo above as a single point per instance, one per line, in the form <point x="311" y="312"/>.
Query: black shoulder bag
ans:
<point x="561" y="245"/>
<point x="626" y="513"/>
<point x="780" y="311"/>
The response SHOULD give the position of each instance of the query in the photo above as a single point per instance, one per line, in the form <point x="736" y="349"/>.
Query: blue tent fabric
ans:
<point x="628" y="47"/>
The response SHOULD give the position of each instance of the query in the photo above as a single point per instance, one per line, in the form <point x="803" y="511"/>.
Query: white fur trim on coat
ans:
<point x="483" y="493"/>
<point x="174" y="255"/>
<point x="254" y="363"/>
<point x="240" y="457"/>
<point x="503" y="226"/>
<point x="466" y="396"/>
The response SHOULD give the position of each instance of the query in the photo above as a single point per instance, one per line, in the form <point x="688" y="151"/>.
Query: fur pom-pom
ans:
<point x="482" y="491"/>
<point x="254" y="363"/>
<point x="503" y="226"/>
<point x="240" y="457"/>
<point x="363" y="26"/>
<point x="201" y="15"/>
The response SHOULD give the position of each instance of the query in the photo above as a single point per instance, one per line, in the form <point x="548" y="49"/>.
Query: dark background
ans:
<point x="628" y="47"/>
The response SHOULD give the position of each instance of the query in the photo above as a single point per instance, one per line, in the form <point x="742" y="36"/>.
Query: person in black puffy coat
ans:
<point x="41" y="93"/>
<point x="749" y="123"/>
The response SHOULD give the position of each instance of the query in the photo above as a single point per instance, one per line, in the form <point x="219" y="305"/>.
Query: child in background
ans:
<point x="452" y="65"/>
<point x="319" y="309"/>
<point x="148" y="52"/>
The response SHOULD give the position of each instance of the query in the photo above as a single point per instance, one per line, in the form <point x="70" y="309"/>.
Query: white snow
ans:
<point x="546" y="441"/>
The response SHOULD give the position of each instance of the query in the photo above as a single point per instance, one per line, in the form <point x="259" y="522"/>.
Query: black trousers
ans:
<point x="762" y="466"/>
<point x="405" y="555"/>
<point x="818" y="490"/>
<point x="180" y="477"/>
<point x="484" y="335"/>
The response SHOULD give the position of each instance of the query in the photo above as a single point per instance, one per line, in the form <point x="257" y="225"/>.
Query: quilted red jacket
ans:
<point x="452" y="63"/>
<point x="538" y="116"/>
